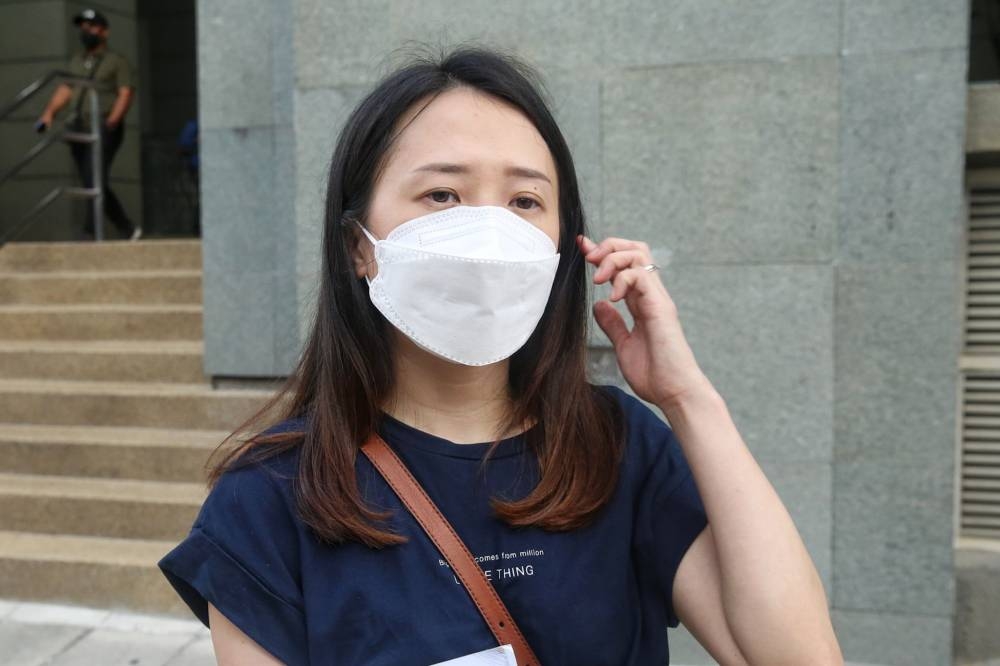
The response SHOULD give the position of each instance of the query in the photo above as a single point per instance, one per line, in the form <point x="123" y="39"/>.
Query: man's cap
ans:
<point x="91" y="16"/>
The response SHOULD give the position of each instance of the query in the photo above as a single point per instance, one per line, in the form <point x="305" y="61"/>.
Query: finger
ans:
<point x="609" y="245"/>
<point x="610" y="322"/>
<point x="586" y="245"/>
<point x="627" y="280"/>
<point x="615" y="262"/>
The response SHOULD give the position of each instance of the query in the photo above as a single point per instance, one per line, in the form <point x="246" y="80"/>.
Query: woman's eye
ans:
<point x="525" y="203"/>
<point x="441" y="196"/>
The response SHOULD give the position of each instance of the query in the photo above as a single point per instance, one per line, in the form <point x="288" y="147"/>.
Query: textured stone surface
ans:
<point x="199" y="652"/>
<point x="903" y="124"/>
<point x="319" y="116"/>
<point x="283" y="80"/>
<point x="122" y="37"/>
<point x="57" y="635"/>
<point x="331" y="51"/>
<point x="238" y="216"/>
<point x="654" y="32"/>
<point x="576" y="104"/>
<point x="40" y="34"/>
<point x="602" y="366"/>
<point x="898" y="331"/>
<point x="806" y="490"/>
<point x="344" y="42"/>
<point x="558" y="33"/>
<point x="239" y="323"/>
<point x="763" y="336"/>
<point x="18" y="137"/>
<point x="287" y="335"/>
<point x="234" y="63"/>
<point x="118" y="9"/>
<point x="56" y="222"/>
<point x="897" y="25"/>
<point x="115" y="648"/>
<point x="892" y="549"/>
<point x="685" y="649"/>
<point x="35" y="644"/>
<point x="724" y="162"/>
<point x="14" y="76"/>
<point x="882" y="638"/>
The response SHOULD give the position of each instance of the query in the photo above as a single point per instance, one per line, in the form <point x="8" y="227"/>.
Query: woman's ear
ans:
<point x="359" y="247"/>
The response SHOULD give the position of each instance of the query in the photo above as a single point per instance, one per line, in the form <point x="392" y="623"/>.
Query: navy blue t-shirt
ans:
<point x="597" y="595"/>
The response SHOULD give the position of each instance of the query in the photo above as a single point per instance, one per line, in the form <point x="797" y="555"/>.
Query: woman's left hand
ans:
<point x="654" y="356"/>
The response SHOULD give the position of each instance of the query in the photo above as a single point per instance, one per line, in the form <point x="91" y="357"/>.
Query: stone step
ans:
<point x="100" y="322"/>
<point x="83" y="287"/>
<point x="123" y="508"/>
<point x="156" y="454"/>
<point x="105" y="256"/>
<point x="110" y="573"/>
<point x="139" y="404"/>
<point x="116" y="360"/>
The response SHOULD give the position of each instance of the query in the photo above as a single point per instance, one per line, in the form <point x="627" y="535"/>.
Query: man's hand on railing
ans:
<point x="44" y="122"/>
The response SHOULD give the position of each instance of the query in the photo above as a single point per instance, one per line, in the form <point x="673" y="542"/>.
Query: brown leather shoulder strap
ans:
<point x="452" y="548"/>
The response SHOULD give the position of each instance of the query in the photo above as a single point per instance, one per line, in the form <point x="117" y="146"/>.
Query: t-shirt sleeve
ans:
<point x="669" y="511"/>
<point x="123" y="74"/>
<point x="242" y="556"/>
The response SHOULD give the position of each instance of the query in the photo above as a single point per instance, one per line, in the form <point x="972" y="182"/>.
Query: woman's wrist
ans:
<point x="700" y="396"/>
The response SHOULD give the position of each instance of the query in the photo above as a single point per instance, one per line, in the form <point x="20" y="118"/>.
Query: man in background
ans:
<point x="112" y="74"/>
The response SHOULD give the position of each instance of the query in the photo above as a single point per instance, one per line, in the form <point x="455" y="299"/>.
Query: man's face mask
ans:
<point x="90" y="40"/>
<point x="468" y="283"/>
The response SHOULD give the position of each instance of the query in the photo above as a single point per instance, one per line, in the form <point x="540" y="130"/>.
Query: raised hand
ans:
<point x="654" y="356"/>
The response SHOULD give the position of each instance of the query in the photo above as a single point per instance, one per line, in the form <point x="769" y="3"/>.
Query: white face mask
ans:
<point x="467" y="283"/>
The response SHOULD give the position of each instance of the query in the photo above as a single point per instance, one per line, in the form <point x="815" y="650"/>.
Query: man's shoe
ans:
<point x="136" y="234"/>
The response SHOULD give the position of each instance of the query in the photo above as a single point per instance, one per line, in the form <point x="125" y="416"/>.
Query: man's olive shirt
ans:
<point x="113" y="72"/>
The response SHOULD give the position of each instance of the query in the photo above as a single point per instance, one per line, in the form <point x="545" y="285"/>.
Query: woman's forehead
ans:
<point x="465" y="126"/>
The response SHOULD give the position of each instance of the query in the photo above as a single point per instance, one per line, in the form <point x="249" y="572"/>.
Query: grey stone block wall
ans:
<point x="898" y="327"/>
<point x="799" y="162"/>
<point x="37" y="36"/>
<point x="245" y="90"/>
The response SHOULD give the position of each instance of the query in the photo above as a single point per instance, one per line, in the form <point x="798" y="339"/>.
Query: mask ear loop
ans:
<point x="371" y="239"/>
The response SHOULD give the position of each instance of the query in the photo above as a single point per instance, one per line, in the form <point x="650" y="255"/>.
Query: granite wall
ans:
<point x="799" y="162"/>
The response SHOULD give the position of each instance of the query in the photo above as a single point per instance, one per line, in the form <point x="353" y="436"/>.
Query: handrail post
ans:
<point x="97" y="165"/>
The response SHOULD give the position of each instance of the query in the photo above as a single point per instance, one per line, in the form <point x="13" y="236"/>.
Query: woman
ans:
<point x="451" y="321"/>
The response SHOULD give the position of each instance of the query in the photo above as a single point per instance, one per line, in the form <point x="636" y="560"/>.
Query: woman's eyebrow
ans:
<point x="448" y="167"/>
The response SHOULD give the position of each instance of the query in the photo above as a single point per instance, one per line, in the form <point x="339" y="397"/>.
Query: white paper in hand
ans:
<point x="498" y="656"/>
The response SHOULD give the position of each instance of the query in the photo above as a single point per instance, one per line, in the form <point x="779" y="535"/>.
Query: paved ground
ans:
<point x="33" y="634"/>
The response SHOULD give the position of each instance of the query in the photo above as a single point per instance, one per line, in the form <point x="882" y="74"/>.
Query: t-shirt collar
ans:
<point x="402" y="434"/>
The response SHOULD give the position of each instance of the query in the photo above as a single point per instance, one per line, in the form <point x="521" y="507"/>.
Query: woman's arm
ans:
<point x="747" y="586"/>
<point x="768" y="591"/>
<point x="233" y="647"/>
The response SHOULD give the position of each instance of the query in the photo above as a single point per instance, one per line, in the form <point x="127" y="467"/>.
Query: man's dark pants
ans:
<point x="113" y="211"/>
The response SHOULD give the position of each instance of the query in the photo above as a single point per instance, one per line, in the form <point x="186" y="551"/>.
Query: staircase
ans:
<point x="106" y="420"/>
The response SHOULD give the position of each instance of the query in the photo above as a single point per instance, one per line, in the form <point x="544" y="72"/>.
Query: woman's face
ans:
<point x="464" y="148"/>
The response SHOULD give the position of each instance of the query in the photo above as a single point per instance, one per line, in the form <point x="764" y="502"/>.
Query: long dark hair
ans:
<point x="345" y="372"/>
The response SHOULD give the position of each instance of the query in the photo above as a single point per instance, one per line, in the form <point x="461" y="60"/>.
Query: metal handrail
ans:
<point x="95" y="193"/>
<point x="29" y="90"/>
<point x="36" y="150"/>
